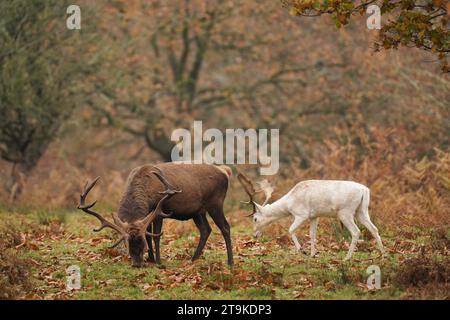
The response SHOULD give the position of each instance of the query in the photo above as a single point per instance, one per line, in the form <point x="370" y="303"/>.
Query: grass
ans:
<point x="269" y="268"/>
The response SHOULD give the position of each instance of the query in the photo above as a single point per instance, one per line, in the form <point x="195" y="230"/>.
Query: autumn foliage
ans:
<point x="343" y="110"/>
<point x="421" y="24"/>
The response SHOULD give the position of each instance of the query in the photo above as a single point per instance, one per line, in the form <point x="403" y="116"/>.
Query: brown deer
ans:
<point x="149" y="197"/>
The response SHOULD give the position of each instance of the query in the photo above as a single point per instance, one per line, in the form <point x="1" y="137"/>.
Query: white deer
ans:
<point x="311" y="199"/>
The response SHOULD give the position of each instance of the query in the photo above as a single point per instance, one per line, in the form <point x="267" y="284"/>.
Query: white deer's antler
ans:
<point x="266" y="187"/>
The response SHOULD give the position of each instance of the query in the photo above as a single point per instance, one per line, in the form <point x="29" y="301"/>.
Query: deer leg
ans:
<point x="348" y="221"/>
<point x="364" y="218"/>
<point x="298" y="221"/>
<point x="151" y="257"/>
<point x="219" y="219"/>
<point x="157" y="226"/>
<point x="313" y="235"/>
<point x="203" y="226"/>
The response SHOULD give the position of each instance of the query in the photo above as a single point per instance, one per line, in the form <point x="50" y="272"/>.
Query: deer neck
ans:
<point x="276" y="210"/>
<point x="131" y="210"/>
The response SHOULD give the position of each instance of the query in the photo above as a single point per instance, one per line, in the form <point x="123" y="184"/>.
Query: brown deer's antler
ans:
<point x="87" y="208"/>
<point x="249" y="189"/>
<point x="169" y="189"/>
<point x="169" y="192"/>
<point x="118" y="226"/>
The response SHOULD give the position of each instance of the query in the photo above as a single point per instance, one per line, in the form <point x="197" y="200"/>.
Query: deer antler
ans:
<point x="249" y="189"/>
<point x="169" y="192"/>
<point x="267" y="188"/>
<point x="87" y="208"/>
<point x="117" y="226"/>
<point x="169" y="189"/>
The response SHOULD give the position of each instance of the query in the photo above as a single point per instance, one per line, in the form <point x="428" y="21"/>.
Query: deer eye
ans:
<point x="254" y="219"/>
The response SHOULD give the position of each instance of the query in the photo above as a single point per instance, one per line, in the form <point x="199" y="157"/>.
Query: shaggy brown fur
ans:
<point x="203" y="186"/>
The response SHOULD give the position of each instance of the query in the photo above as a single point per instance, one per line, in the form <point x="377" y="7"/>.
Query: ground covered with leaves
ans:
<point x="39" y="246"/>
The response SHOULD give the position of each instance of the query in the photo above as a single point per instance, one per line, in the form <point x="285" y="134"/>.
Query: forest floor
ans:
<point x="39" y="247"/>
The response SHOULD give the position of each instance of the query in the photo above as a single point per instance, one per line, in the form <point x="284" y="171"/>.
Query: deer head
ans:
<point x="134" y="233"/>
<point x="259" y="218"/>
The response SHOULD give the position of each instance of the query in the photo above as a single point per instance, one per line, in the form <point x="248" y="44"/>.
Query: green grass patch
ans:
<point x="269" y="268"/>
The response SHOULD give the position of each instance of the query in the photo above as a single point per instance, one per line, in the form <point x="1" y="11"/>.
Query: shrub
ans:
<point x="422" y="270"/>
<point x="14" y="271"/>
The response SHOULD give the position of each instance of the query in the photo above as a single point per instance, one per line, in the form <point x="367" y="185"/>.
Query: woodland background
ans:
<point x="104" y="99"/>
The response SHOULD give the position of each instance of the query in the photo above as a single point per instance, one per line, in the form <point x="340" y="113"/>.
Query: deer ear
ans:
<point x="258" y="207"/>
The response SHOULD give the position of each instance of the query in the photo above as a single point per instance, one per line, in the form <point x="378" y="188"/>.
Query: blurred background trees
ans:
<point x="196" y="60"/>
<point x="149" y="67"/>
<point x="41" y="67"/>
<point x="236" y="64"/>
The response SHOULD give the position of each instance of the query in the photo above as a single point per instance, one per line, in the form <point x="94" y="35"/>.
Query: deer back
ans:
<point x="202" y="186"/>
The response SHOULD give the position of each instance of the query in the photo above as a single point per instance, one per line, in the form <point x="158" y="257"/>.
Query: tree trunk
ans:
<point x="158" y="141"/>
<point x="18" y="180"/>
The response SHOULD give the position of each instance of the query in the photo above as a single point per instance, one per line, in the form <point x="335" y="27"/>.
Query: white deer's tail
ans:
<point x="365" y="202"/>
